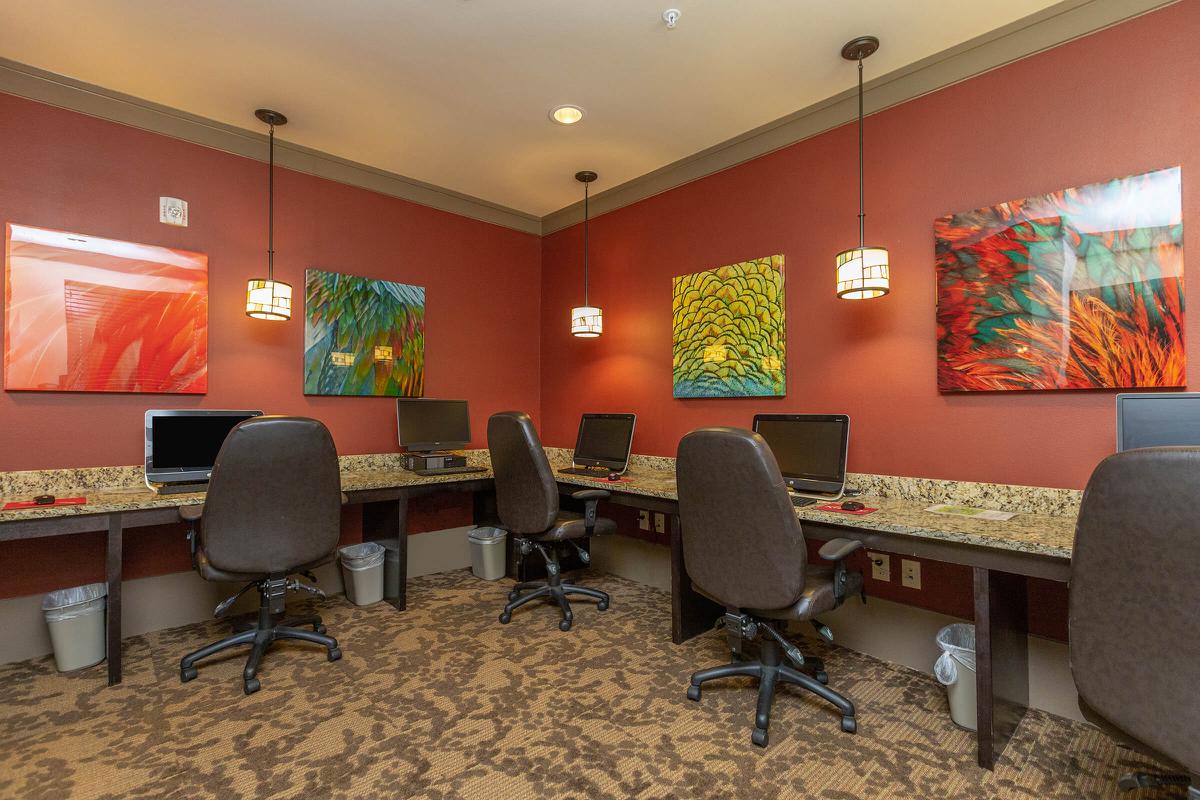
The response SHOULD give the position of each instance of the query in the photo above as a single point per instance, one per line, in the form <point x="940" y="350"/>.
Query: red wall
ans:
<point x="1112" y="104"/>
<point x="60" y="169"/>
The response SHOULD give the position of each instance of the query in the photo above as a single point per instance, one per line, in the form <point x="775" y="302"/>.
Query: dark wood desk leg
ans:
<point x="388" y="519"/>
<point x="691" y="612"/>
<point x="1001" y="659"/>
<point x="112" y="574"/>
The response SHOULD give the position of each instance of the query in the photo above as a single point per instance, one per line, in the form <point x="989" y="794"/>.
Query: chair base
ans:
<point x="769" y="671"/>
<point x="1148" y="780"/>
<point x="552" y="590"/>
<point x="260" y="637"/>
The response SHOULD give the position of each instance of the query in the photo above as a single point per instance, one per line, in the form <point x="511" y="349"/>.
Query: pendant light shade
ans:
<point x="863" y="272"/>
<point x="267" y="298"/>
<point x="587" y="321"/>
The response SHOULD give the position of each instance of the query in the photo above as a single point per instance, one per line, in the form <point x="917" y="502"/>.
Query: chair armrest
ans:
<point x="838" y="549"/>
<point x="191" y="513"/>
<point x="591" y="494"/>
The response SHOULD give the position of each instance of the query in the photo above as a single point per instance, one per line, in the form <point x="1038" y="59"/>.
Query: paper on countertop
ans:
<point x="971" y="511"/>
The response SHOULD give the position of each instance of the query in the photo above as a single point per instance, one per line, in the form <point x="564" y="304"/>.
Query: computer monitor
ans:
<point x="1158" y="420"/>
<point x="425" y="425"/>
<point x="182" y="445"/>
<point x="810" y="448"/>
<point x="605" y="440"/>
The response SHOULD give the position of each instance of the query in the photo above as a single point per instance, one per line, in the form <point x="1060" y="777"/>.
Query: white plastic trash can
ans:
<point x="391" y="568"/>
<point x="487" y="553"/>
<point x="75" y="618"/>
<point x="955" y="669"/>
<point x="362" y="572"/>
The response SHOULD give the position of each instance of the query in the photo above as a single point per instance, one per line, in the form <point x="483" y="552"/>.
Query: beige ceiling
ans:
<point x="456" y="92"/>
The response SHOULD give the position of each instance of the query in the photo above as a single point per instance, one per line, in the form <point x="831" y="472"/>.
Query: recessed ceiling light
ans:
<point x="566" y="115"/>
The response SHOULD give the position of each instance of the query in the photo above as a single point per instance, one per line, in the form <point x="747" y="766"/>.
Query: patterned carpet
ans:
<point x="443" y="702"/>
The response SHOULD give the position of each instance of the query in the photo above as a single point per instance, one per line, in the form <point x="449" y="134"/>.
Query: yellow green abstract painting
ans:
<point x="727" y="331"/>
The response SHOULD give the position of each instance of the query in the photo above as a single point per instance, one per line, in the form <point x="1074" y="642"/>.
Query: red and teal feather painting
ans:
<point x="1078" y="289"/>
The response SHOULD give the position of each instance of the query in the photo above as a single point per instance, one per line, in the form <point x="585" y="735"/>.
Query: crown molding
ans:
<point x="1060" y="23"/>
<point x="57" y="90"/>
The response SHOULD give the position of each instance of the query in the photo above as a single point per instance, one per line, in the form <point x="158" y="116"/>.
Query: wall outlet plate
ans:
<point x="881" y="566"/>
<point x="172" y="211"/>
<point x="660" y="522"/>
<point x="910" y="573"/>
<point x="644" y="520"/>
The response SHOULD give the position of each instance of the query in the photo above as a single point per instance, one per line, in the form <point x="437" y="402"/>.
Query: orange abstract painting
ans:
<point x="88" y="314"/>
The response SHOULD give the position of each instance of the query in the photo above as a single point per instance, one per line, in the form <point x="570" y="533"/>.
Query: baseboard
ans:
<point x="181" y="598"/>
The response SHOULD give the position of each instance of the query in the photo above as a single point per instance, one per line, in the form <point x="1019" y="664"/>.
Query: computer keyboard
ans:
<point x="448" y="471"/>
<point x="585" y="472"/>
<point x="799" y="501"/>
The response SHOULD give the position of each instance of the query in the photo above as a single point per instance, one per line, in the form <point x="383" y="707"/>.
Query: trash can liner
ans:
<point x="361" y="556"/>
<point x="958" y="640"/>
<point x="78" y="601"/>
<point x="945" y="670"/>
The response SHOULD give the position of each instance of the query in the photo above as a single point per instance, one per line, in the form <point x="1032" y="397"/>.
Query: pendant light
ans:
<point x="587" y="322"/>
<point x="267" y="298"/>
<point x="862" y="272"/>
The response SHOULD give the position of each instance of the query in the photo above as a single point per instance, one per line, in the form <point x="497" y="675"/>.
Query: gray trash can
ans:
<point x="487" y="553"/>
<point x="75" y="618"/>
<point x="391" y="568"/>
<point x="955" y="669"/>
<point x="362" y="572"/>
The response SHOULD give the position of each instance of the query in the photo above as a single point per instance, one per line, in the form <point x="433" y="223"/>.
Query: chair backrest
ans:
<point x="1134" y="598"/>
<point x="274" y="500"/>
<point x="742" y="542"/>
<point x="526" y="492"/>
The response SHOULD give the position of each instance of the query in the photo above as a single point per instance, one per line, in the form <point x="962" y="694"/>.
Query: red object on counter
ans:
<point x="58" y="501"/>
<point x="838" y="508"/>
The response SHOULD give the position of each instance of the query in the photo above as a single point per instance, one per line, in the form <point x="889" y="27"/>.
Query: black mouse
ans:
<point x="614" y="476"/>
<point x="44" y="499"/>
<point x="852" y="505"/>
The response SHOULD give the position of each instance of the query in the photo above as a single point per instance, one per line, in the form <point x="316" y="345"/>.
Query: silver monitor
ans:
<point x="1158" y="419"/>
<point x="182" y="445"/>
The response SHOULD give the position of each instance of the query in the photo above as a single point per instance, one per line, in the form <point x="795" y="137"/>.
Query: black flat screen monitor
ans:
<point x="425" y="425"/>
<point x="182" y="446"/>
<point x="810" y="448"/>
<point x="1158" y="420"/>
<point x="605" y="440"/>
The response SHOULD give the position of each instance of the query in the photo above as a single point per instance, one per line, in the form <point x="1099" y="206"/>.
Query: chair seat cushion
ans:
<point x="817" y="597"/>
<point x="211" y="573"/>
<point x="570" y="526"/>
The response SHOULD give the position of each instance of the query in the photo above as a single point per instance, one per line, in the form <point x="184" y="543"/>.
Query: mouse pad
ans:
<point x="61" y="501"/>
<point x="838" y="508"/>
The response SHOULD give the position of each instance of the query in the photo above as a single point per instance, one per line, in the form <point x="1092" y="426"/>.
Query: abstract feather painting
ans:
<point x="89" y="314"/>
<point x="728" y="334"/>
<point x="1078" y="289"/>
<point x="363" y="336"/>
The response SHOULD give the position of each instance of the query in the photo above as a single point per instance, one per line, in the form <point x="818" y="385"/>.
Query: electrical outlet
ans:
<point x="881" y="566"/>
<point x="644" y="520"/>
<point x="910" y="574"/>
<point x="660" y="523"/>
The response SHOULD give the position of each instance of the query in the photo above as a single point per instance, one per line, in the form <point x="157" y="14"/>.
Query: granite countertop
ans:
<point x="1044" y="523"/>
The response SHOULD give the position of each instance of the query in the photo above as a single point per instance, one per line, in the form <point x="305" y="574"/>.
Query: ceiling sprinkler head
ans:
<point x="671" y="17"/>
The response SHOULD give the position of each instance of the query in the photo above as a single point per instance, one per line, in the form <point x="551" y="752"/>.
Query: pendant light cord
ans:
<point x="861" y="214"/>
<point x="585" y="244"/>
<point x="271" y="210"/>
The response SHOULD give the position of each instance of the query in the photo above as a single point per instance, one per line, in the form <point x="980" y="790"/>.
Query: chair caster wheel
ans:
<point x="693" y="693"/>
<point x="251" y="686"/>
<point x="513" y="595"/>
<point x="319" y="629"/>
<point x="565" y="625"/>
<point x="187" y="673"/>
<point x="849" y="725"/>
<point x="505" y="618"/>
<point x="602" y="605"/>
<point x="759" y="737"/>
<point x="335" y="654"/>
<point x="822" y="677"/>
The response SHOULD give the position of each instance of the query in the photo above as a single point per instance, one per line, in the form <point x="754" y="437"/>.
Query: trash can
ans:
<point x="362" y="572"/>
<point x="75" y="618"/>
<point x="487" y="553"/>
<point x="391" y="568"/>
<point x="955" y="669"/>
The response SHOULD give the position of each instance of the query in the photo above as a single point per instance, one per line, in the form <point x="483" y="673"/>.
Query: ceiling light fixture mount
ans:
<point x="862" y="272"/>
<point x="671" y="17"/>
<point x="267" y="298"/>
<point x="587" y="321"/>
<point x="566" y="114"/>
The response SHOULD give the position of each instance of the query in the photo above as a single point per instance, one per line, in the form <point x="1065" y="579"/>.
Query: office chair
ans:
<point x="273" y="509"/>
<point x="744" y="548"/>
<point x="527" y="502"/>
<point x="1133" y="602"/>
